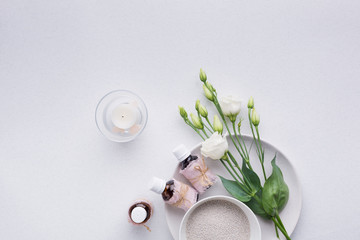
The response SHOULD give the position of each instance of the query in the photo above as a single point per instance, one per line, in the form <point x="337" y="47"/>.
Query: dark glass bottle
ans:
<point x="193" y="167"/>
<point x="187" y="161"/>
<point x="140" y="212"/>
<point x="169" y="190"/>
<point x="175" y="193"/>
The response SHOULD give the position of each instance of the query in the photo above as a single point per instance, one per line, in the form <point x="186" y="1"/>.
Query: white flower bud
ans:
<point x="208" y="93"/>
<point x="251" y="102"/>
<point x="239" y="125"/>
<point x="183" y="113"/>
<point x="203" y="111"/>
<point x="196" y="121"/>
<point x="210" y="87"/>
<point x="255" y="118"/>
<point x="197" y="103"/>
<point x="202" y="75"/>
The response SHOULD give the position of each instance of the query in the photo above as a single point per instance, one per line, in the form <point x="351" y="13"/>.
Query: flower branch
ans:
<point x="266" y="200"/>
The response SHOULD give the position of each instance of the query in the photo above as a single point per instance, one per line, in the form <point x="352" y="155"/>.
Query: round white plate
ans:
<point x="289" y="215"/>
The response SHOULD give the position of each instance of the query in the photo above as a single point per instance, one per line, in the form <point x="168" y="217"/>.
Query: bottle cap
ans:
<point x="181" y="152"/>
<point x="138" y="214"/>
<point x="157" y="185"/>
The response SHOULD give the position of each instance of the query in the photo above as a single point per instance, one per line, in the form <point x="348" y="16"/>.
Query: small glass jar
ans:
<point x="121" y="116"/>
<point x="140" y="212"/>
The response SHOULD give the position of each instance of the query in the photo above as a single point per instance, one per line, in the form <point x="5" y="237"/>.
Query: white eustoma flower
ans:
<point x="214" y="147"/>
<point x="230" y="105"/>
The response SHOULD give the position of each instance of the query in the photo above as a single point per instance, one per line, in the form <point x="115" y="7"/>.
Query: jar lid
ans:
<point x="157" y="185"/>
<point x="138" y="214"/>
<point x="181" y="152"/>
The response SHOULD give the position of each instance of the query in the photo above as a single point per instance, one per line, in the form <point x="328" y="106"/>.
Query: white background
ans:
<point x="61" y="179"/>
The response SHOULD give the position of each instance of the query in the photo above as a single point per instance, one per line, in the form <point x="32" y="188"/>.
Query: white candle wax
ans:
<point x="125" y="116"/>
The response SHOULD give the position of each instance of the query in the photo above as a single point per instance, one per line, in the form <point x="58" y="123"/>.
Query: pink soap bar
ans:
<point x="199" y="175"/>
<point x="184" y="196"/>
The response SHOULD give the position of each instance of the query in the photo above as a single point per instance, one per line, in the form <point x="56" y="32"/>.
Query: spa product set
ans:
<point x="122" y="115"/>
<point x="194" y="169"/>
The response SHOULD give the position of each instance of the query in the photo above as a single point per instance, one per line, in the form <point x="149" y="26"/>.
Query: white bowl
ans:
<point x="255" y="232"/>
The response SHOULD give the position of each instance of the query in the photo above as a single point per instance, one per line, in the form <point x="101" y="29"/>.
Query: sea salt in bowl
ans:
<point x="219" y="217"/>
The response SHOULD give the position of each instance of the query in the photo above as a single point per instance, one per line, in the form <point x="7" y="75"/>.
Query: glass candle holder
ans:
<point x="121" y="115"/>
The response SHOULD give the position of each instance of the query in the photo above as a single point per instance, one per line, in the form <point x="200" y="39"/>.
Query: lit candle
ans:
<point x="125" y="116"/>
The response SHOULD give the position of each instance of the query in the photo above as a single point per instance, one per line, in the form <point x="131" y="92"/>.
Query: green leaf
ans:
<point x="257" y="206"/>
<point x="235" y="189"/>
<point x="252" y="177"/>
<point x="275" y="193"/>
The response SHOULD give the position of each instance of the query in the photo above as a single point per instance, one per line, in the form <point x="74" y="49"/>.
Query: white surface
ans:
<point x="255" y="233"/>
<point x="61" y="179"/>
<point x="289" y="215"/>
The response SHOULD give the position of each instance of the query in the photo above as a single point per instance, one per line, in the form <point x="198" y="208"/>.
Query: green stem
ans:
<point x="263" y="170"/>
<point x="253" y="134"/>
<point x="260" y="146"/>
<point x="235" y="162"/>
<point x="232" y="139"/>
<point x="237" y="138"/>
<point x="198" y="113"/>
<point x="242" y="139"/>
<point x="243" y="185"/>
<point x="195" y="129"/>
<point x="262" y="153"/>
<point x="232" y="167"/>
<point x="207" y="120"/>
<point x="246" y="180"/>
<point x="208" y="129"/>
<point x="279" y="220"/>
<point x="277" y="232"/>
<point x="227" y="168"/>
<point x="252" y="131"/>
<point x="247" y="160"/>
<point x="205" y="133"/>
<point x="281" y="229"/>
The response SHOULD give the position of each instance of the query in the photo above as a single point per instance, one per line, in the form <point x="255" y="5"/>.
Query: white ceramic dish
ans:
<point x="290" y="214"/>
<point x="255" y="232"/>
